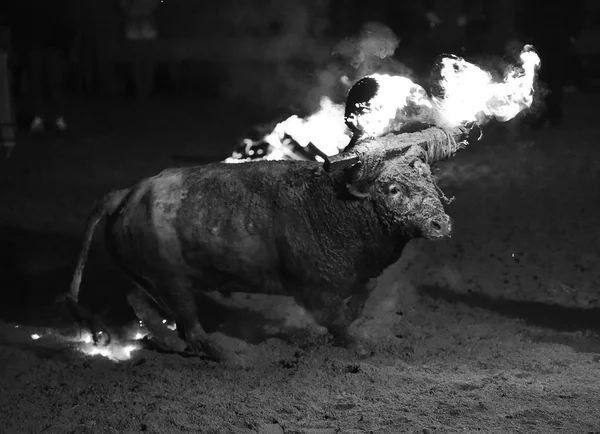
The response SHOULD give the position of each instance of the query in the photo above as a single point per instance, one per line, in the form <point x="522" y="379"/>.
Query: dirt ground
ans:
<point x="494" y="330"/>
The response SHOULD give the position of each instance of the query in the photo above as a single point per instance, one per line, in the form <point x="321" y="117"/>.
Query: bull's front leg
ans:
<point x="337" y="313"/>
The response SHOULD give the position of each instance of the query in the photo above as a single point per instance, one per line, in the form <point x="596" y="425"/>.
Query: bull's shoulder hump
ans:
<point x="168" y="185"/>
<point x="268" y="168"/>
<point x="167" y="177"/>
<point x="171" y="172"/>
<point x="249" y="171"/>
<point x="264" y="178"/>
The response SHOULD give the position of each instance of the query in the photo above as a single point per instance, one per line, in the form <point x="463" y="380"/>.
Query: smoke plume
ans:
<point x="300" y="65"/>
<point x="370" y="51"/>
<point x="366" y="51"/>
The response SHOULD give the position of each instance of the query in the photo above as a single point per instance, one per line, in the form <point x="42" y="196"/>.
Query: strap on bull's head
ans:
<point x="358" y="168"/>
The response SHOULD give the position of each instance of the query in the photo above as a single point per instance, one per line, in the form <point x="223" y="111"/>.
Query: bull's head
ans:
<point x="402" y="190"/>
<point x="407" y="197"/>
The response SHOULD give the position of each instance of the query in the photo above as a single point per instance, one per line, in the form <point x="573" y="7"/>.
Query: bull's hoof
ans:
<point x="175" y="343"/>
<point x="190" y="352"/>
<point x="167" y="344"/>
<point x="361" y="351"/>
<point x="225" y="349"/>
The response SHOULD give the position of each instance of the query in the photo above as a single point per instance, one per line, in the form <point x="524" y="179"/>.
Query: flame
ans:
<point x="120" y="349"/>
<point x="117" y="351"/>
<point x="397" y="101"/>
<point x="470" y="94"/>
<point x="325" y="129"/>
<point x="138" y="331"/>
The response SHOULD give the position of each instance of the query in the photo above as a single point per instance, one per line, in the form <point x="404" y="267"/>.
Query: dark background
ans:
<point x="274" y="52"/>
<point x="493" y="330"/>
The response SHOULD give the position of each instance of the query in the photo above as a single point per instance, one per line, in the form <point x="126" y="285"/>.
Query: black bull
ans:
<point x="272" y="227"/>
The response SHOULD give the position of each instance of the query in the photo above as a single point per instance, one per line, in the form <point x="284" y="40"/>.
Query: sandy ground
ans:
<point x="494" y="330"/>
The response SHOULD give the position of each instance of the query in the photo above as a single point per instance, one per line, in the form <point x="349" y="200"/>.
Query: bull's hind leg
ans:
<point x="216" y="345"/>
<point x="146" y="311"/>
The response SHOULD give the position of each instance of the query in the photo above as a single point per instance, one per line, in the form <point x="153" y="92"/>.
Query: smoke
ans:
<point x="299" y="64"/>
<point x="282" y="47"/>
<point x="370" y="51"/>
<point x="366" y="51"/>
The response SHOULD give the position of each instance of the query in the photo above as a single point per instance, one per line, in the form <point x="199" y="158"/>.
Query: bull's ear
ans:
<point x="358" y="184"/>
<point x="360" y="190"/>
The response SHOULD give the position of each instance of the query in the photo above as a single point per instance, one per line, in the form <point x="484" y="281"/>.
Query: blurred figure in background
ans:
<point x="7" y="126"/>
<point x="474" y="21"/>
<point x="552" y="27"/>
<point x="43" y="34"/>
<point x="140" y="30"/>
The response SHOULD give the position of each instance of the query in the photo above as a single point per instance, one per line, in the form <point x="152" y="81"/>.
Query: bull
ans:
<point x="319" y="233"/>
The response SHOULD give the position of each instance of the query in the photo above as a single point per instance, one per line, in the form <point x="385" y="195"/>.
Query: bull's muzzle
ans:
<point x="438" y="227"/>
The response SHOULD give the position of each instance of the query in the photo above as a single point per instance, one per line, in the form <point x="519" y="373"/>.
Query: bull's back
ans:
<point x="231" y="222"/>
<point x="249" y="224"/>
<point x="216" y="223"/>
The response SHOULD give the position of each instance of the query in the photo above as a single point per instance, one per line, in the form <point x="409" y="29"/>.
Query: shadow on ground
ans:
<point x="551" y="316"/>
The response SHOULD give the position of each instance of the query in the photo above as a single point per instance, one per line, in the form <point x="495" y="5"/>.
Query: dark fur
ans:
<point x="286" y="228"/>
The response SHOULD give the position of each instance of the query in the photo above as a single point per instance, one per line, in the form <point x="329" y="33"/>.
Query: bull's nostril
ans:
<point x="436" y="226"/>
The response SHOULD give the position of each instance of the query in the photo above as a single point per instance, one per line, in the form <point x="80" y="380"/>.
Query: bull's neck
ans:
<point x="355" y="226"/>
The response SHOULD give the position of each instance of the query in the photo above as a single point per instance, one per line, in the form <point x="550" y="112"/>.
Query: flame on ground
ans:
<point x="115" y="351"/>
<point x="118" y="350"/>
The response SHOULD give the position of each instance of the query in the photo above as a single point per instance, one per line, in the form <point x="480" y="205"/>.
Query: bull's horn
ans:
<point x="431" y="145"/>
<point x="367" y="157"/>
<point x="340" y="161"/>
<point x="441" y="143"/>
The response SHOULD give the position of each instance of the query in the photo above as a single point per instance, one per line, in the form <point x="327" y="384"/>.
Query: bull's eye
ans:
<point x="393" y="189"/>
<point x="418" y="165"/>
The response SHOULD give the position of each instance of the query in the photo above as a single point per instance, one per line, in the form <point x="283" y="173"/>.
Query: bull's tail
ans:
<point x="100" y="332"/>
